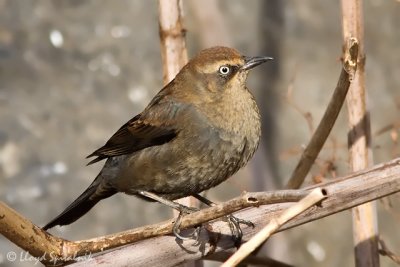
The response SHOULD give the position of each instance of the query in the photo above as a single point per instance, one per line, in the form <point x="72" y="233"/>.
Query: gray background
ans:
<point x="59" y="101"/>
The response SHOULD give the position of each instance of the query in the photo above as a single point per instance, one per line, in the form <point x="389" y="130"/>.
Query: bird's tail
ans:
<point x="97" y="191"/>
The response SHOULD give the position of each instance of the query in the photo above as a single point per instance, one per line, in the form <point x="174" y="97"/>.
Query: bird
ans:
<point x="198" y="130"/>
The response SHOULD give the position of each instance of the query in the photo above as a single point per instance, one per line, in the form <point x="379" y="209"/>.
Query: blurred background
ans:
<point x="73" y="71"/>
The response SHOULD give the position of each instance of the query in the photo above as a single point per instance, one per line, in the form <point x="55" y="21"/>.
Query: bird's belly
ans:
<point x="176" y="169"/>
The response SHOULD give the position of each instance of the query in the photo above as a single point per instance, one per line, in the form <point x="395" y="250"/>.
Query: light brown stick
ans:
<point x="172" y="38"/>
<point x="365" y="225"/>
<point x="26" y="235"/>
<point x="310" y="200"/>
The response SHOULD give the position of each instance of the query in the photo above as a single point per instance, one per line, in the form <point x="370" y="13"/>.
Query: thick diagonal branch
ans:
<point x="344" y="193"/>
<point x="163" y="251"/>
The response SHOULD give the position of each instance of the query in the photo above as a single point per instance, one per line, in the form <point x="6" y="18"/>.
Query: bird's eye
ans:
<point x="224" y="70"/>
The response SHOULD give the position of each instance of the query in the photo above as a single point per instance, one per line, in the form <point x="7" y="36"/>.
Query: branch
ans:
<point x="43" y="245"/>
<point x="172" y="38"/>
<point x="344" y="193"/>
<point x="365" y="225"/>
<point x="257" y="240"/>
<point x="26" y="235"/>
<point x="328" y="120"/>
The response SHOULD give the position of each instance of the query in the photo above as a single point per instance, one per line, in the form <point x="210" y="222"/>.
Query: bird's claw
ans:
<point x="234" y="225"/>
<point x="175" y="229"/>
<point x="193" y="235"/>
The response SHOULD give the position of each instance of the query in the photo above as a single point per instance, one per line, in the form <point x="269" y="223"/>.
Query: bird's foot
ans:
<point x="234" y="225"/>
<point x="175" y="229"/>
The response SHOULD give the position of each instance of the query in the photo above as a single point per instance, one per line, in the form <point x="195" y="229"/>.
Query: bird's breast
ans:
<point x="237" y="114"/>
<point x="225" y="140"/>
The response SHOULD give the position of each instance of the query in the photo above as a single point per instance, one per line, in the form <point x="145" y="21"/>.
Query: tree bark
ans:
<point x="365" y="221"/>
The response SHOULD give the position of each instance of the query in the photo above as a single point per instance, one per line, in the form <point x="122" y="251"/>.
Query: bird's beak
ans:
<point x="251" y="62"/>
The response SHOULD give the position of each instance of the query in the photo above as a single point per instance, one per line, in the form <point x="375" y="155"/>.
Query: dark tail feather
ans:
<point x="93" y="194"/>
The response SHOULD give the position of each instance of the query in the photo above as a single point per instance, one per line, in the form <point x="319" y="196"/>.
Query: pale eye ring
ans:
<point x="224" y="70"/>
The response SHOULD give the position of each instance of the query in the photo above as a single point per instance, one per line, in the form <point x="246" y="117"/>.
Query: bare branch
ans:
<point x="365" y="225"/>
<point x="328" y="120"/>
<point x="247" y="248"/>
<point x="172" y="38"/>
<point x="26" y="235"/>
<point x="41" y="244"/>
<point x="344" y="193"/>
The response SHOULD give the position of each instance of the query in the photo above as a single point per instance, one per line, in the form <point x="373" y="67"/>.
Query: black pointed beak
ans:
<point x="251" y="62"/>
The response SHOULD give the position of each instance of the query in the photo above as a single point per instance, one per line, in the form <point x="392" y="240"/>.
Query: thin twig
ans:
<point x="289" y="99"/>
<point x="310" y="200"/>
<point x="384" y="251"/>
<point x="328" y="120"/>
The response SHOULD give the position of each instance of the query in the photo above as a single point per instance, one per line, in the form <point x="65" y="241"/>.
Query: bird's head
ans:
<point x="216" y="69"/>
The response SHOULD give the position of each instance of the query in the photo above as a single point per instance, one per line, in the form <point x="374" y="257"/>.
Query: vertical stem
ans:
<point x="365" y="228"/>
<point x="172" y="38"/>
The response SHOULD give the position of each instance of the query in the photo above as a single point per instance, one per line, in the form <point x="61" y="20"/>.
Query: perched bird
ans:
<point x="198" y="131"/>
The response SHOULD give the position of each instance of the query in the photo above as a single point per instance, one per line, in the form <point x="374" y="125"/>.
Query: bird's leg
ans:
<point x="179" y="207"/>
<point x="234" y="222"/>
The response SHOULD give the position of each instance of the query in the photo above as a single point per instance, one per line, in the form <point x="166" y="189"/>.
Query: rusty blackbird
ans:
<point x="197" y="131"/>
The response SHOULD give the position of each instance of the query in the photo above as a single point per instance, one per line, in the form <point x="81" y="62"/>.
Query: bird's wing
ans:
<point x="144" y="130"/>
